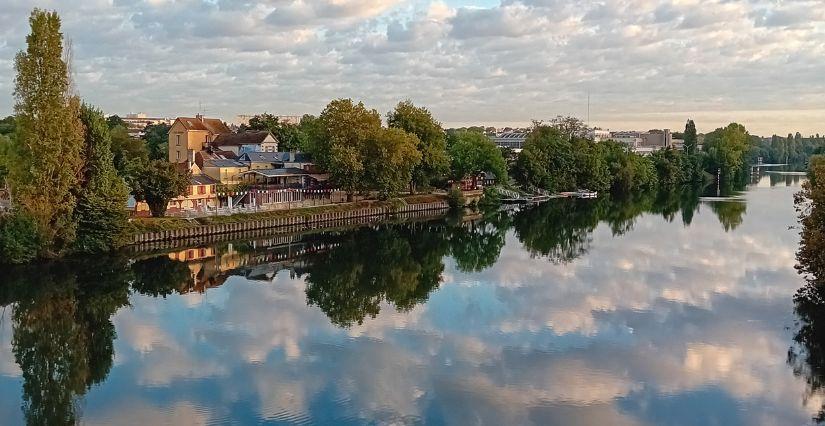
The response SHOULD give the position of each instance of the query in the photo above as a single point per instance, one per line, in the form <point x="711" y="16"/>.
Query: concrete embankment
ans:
<point x="213" y="232"/>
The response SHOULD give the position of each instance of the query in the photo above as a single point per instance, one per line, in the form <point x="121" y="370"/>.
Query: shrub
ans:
<point x="19" y="239"/>
<point x="455" y="198"/>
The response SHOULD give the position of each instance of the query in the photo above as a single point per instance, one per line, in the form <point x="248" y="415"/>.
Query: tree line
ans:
<point x="66" y="166"/>
<point x="560" y="156"/>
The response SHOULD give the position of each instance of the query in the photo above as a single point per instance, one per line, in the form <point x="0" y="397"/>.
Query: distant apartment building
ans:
<point x="136" y="122"/>
<point x="598" y="135"/>
<point x="644" y="143"/>
<point x="511" y="140"/>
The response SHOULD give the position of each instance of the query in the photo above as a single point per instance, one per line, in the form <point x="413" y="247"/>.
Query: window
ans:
<point x="177" y="140"/>
<point x="178" y="155"/>
<point x="201" y="190"/>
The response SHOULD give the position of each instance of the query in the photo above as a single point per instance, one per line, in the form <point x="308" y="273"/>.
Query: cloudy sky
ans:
<point x="646" y="63"/>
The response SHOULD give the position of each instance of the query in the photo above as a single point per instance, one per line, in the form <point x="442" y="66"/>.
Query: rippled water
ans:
<point x="665" y="310"/>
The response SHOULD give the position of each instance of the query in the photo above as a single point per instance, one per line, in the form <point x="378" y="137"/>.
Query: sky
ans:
<point x="645" y="63"/>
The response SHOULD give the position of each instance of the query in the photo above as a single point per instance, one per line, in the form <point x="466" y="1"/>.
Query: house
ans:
<point x="276" y="160"/>
<point x="249" y="141"/>
<point x="190" y="135"/>
<point x="281" y="170"/>
<point x="201" y="195"/>
<point x="225" y="171"/>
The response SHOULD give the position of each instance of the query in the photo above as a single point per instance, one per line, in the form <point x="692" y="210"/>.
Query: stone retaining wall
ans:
<point x="289" y="224"/>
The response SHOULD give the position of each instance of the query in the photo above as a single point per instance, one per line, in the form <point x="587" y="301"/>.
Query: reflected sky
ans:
<point x="664" y="322"/>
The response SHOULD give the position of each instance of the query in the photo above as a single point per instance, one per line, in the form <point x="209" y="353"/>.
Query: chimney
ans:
<point x="199" y="117"/>
<point x="191" y="158"/>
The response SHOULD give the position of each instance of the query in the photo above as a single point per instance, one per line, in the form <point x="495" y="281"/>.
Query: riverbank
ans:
<point x="150" y="230"/>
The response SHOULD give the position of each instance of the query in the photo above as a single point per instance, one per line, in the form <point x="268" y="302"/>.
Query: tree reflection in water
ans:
<point x="807" y="355"/>
<point x="63" y="335"/>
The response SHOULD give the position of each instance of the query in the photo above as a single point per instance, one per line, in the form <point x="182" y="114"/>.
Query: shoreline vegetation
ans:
<point x="69" y="169"/>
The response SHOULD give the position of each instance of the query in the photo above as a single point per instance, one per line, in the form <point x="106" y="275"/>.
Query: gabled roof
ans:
<point x="202" y="180"/>
<point x="220" y="162"/>
<point x="274" y="157"/>
<point x="238" y="139"/>
<point x="213" y="125"/>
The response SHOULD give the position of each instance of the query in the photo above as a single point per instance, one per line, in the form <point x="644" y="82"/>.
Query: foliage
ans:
<point x="114" y="120"/>
<point x="455" y="199"/>
<point x="101" y="213"/>
<point x="290" y="137"/>
<point x="690" y="138"/>
<point x="490" y="197"/>
<point x="390" y="156"/>
<point x="472" y="153"/>
<point x="546" y="160"/>
<point x="7" y="126"/>
<point x="128" y="152"/>
<point x="338" y="139"/>
<point x="19" y="238"/>
<point x="157" y="140"/>
<point x="807" y="355"/>
<point x="726" y="148"/>
<point x="158" y="182"/>
<point x="432" y="142"/>
<point x="46" y="152"/>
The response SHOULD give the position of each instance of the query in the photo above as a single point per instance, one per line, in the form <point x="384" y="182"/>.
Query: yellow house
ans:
<point x="190" y="135"/>
<point x="225" y="171"/>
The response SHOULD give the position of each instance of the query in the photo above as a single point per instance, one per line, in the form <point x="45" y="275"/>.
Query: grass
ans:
<point x="151" y="224"/>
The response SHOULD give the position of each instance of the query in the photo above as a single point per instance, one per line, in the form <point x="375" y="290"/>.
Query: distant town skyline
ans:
<point x="647" y="64"/>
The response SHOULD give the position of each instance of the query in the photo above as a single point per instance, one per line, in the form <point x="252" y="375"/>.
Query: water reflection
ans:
<point x="807" y="355"/>
<point x="652" y="309"/>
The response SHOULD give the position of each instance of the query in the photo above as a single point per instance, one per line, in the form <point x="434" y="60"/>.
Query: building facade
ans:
<point x="188" y="136"/>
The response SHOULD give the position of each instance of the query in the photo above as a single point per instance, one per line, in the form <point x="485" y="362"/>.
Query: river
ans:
<point x="657" y="310"/>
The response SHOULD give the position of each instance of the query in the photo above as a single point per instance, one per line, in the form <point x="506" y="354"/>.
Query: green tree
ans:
<point x="46" y="152"/>
<point x="158" y="182"/>
<point x="726" y="148"/>
<point x="290" y="136"/>
<point x="432" y="142"/>
<point x="157" y="140"/>
<point x="691" y="139"/>
<point x="390" y="156"/>
<point x="338" y="138"/>
<point x="128" y="152"/>
<point x="114" y="120"/>
<point x="101" y="206"/>
<point x="590" y="168"/>
<point x="472" y="153"/>
<point x="7" y="126"/>
<point x="546" y="160"/>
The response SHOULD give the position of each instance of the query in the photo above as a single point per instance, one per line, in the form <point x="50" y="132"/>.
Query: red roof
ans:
<point x="213" y="125"/>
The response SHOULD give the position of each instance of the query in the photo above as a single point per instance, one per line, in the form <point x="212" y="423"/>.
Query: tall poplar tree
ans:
<point x="101" y="202"/>
<point x="690" y="138"/>
<point x="46" y="154"/>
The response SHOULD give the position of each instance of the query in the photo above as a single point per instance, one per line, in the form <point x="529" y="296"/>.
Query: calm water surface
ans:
<point x="663" y="310"/>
